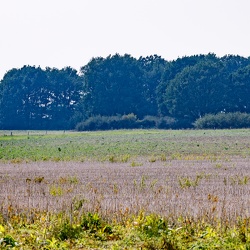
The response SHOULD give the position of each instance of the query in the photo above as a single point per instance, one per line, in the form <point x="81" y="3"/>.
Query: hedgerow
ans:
<point x="223" y="121"/>
<point x="129" y="121"/>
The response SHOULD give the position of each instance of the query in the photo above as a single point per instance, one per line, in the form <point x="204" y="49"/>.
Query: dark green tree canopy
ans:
<point x="197" y="90"/>
<point x="115" y="85"/>
<point x="171" y="70"/>
<point x="149" y="88"/>
<point x="20" y="105"/>
<point x="205" y="85"/>
<point x="240" y="81"/>
<point x="153" y="68"/>
<point x="32" y="98"/>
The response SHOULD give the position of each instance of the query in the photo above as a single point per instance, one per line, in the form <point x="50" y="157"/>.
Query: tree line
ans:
<point x="150" y="91"/>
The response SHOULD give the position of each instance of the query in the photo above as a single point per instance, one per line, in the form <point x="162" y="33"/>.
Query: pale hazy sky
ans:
<point x="59" y="33"/>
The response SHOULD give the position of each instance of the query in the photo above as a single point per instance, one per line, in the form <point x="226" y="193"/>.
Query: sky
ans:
<point x="60" y="33"/>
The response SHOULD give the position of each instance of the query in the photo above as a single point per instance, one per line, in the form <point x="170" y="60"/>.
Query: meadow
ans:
<point x="125" y="189"/>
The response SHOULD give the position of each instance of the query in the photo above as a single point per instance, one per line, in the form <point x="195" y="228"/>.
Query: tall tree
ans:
<point x="20" y="106"/>
<point x="114" y="85"/>
<point x="32" y="98"/>
<point x="198" y="90"/>
<point x="153" y="68"/>
<point x="240" y="94"/>
<point x="172" y="68"/>
<point x="65" y="89"/>
<point x="234" y="62"/>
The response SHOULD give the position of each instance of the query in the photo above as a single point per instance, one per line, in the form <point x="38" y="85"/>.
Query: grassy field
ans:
<point x="115" y="145"/>
<point x="128" y="189"/>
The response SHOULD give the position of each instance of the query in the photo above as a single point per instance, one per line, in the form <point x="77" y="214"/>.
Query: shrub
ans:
<point x="129" y="121"/>
<point x="98" y="123"/>
<point x="148" y="122"/>
<point x="223" y="121"/>
<point x="166" y="122"/>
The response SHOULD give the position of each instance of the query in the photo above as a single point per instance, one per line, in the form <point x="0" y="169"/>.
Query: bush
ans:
<point x="129" y="121"/>
<point x="166" y="123"/>
<point x="98" y="123"/>
<point x="148" y="122"/>
<point x="223" y="121"/>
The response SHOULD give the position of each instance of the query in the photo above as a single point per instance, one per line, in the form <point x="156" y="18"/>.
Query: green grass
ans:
<point x="100" y="146"/>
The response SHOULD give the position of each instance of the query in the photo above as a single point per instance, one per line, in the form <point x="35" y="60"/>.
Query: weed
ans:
<point x="136" y="164"/>
<point x="153" y="183"/>
<point x="56" y="190"/>
<point x="112" y="158"/>
<point x="73" y="180"/>
<point x="16" y="161"/>
<point x="67" y="231"/>
<point x="237" y="180"/>
<point x="8" y="241"/>
<point x="152" y="159"/>
<point x="38" y="179"/>
<point x="218" y="165"/>
<point x="91" y="222"/>
<point x="143" y="182"/>
<point x="115" y="188"/>
<point x="163" y="157"/>
<point x="176" y="156"/>
<point x="77" y="204"/>
<point x="186" y="182"/>
<point x="213" y="198"/>
<point x="125" y="158"/>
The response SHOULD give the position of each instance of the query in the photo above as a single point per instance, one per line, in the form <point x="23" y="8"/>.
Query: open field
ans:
<point x="153" y="189"/>
<point x="198" y="189"/>
<point x="122" y="145"/>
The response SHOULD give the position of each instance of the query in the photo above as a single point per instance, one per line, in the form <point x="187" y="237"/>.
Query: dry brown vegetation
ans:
<point x="208" y="189"/>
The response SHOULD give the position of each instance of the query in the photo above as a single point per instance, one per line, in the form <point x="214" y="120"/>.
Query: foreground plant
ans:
<point x="142" y="231"/>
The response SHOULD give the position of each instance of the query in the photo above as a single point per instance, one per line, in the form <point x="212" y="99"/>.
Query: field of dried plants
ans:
<point x="141" y="189"/>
